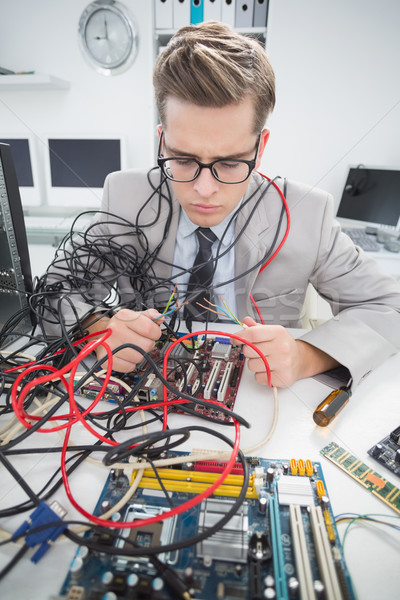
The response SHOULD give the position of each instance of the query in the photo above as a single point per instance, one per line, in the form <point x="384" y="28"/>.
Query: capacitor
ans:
<point x="189" y="388"/>
<point x="76" y="565"/>
<point x="293" y="587"/>
<point x="319" y="588"/>
<point x="188" y="575"/>
<point x="377" y="451"/>
<point x="132" y="580"/>
<point x="105" y="506"/>
<point x="107" y="578"/>
<point x="269" y="581"/>
<point x="269" y="593"/>
<point x="324" y="502"/>
<point x="157" y="584"/>
<point x="270" y="474"/>
<point x="262" y="504"/>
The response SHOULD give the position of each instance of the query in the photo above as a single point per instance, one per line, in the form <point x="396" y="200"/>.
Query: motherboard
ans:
<point x="281" y="542"/>
<point x="387" y="451"/>
<point x="209" y="368"/>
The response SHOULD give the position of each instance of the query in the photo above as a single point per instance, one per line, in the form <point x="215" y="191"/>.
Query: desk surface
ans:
<point x="372" y="552"/>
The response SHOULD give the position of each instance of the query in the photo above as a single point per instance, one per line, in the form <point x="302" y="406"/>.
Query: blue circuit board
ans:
<point x="281" y="543"/>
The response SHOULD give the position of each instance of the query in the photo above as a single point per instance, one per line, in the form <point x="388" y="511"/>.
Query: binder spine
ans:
<point x="228" y="12"/>
<point x="212" y="10"/>
<point x="260" y="13"/>
<point x="244" y="13"/>
<point x="163" y="14"/>
<point x="181" y="13"/>
<point x="196" y="11"/>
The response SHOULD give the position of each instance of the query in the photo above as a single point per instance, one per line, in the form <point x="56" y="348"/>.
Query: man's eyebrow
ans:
<point x="177" y="152"/>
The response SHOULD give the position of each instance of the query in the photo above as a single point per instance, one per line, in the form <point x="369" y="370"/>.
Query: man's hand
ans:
<point x="128" y="327"/>
<point x="289" y="359"/>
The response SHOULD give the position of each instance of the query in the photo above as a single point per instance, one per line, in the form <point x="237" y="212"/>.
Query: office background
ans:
<point x="338" y="92"/>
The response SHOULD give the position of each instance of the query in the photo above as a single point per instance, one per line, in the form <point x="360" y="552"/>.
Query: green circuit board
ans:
<point x="281" y="543"/>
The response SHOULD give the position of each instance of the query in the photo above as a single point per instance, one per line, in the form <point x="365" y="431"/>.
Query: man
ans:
<point x="214" y="91"/>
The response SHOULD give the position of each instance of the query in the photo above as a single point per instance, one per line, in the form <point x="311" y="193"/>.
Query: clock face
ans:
<point x="107" y="37"/>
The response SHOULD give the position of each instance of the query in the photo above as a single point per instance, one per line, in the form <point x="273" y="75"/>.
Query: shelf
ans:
<point x="164" y="35"/>
<point x="36" y="81"/>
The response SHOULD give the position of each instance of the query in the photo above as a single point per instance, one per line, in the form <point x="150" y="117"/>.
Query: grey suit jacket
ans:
<point x="365" y="302"/>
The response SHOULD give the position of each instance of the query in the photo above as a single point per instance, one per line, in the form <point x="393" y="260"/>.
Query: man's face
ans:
<point x="208" y="134"/>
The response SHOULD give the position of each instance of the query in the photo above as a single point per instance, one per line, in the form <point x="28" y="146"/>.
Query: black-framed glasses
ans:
<point x="184" y="169"/>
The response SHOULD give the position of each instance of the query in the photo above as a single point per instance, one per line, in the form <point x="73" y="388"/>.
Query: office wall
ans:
<point x="336" y="62"/>
<point x="43" y="36"/>
<point x="338" y="88"/>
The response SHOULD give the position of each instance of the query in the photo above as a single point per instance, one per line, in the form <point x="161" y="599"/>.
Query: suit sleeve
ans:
<point x="365" y="328"/>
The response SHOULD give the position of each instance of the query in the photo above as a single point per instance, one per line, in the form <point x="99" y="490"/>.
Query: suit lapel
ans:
<point x="255" y="240"/>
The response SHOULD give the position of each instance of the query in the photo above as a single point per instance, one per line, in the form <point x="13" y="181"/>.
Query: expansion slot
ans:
<point x="225" y="382"/>
<point x="189" y="374"/>
<point x="277" y="549"/>
<point x="367" y="477"/>
<point x="324" y="555"/>
<point x="195" y="482"/>
<point x="212" y="379"/>
<point x="302" y="560"/>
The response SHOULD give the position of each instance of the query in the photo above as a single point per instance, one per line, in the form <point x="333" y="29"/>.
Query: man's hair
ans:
<point x="211" y="65"/>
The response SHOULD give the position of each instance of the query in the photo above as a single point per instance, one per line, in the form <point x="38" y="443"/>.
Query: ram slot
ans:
<point x="225" y="382"/>
<point x="277" y="550"/>
<point x="324" y="555"/>
<point x="212" y="379"/>
<point x="301" y="557"/>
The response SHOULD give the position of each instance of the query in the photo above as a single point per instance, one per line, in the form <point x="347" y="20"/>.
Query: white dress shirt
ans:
<point x="186" y="248"/>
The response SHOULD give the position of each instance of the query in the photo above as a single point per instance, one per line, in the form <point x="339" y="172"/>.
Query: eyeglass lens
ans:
<point x="227" y="171"/>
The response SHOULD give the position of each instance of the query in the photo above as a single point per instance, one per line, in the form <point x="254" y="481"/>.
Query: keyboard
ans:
<point x="366" y="241"/>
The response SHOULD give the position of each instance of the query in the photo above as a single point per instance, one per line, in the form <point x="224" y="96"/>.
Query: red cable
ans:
<point x="287" y="222"/>
<point x="33" y="362"/>
<point x="188" y="335"/>
<point x="257" y="309"/>
<point x="17" y="403"/>
<point x="157" y="518"/>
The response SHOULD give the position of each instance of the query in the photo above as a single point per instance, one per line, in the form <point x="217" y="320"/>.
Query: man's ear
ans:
<point x="263" y="142"/>
<point x="159" y="129"/>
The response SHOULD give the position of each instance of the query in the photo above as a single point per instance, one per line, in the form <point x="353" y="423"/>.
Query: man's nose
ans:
<point x="205" y="184"/>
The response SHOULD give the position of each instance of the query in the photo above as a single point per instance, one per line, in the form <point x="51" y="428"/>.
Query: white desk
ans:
<point x="372" y="553"/>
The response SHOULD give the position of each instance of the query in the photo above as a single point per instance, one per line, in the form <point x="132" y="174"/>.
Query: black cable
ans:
<point x="179" y="544"/>
<point x="14" y="561"/>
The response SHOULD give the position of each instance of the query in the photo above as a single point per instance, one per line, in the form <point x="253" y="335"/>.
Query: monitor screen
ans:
<point x="371" y="197"/>
<point x="15" y="269"/>
<point x="77" y="167"/>
<point x="23" y="155"/>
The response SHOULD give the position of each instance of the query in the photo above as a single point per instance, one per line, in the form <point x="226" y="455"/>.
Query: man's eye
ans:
<point x="229" y="164"/>
<point x="184" y="162"/>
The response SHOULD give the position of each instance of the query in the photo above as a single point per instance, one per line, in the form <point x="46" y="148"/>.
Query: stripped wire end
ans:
<point x="221" y="311"/>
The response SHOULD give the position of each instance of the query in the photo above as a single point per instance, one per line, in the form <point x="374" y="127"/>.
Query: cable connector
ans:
<point x="42" y="516"/>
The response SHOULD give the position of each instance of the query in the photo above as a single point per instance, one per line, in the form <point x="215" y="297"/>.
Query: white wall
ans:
<point x="42" y="35"/>
<point x="338" y="88"/>
<point x="336" y="62"/>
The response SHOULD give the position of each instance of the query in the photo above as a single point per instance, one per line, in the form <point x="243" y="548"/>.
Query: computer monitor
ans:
<point x="371" y="197"/>
<point x="15" y="268"/>
<point x="76" y="167"/>
<point x="23" y="151"/>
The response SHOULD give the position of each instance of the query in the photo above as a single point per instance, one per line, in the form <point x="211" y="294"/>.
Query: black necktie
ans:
<point x="198" y="289"/>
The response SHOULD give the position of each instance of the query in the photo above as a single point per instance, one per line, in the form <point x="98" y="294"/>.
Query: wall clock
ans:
<point x="108" y="37"/>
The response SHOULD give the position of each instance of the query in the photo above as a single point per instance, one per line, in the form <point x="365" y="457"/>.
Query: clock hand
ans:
<point x="105" y="37"/>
